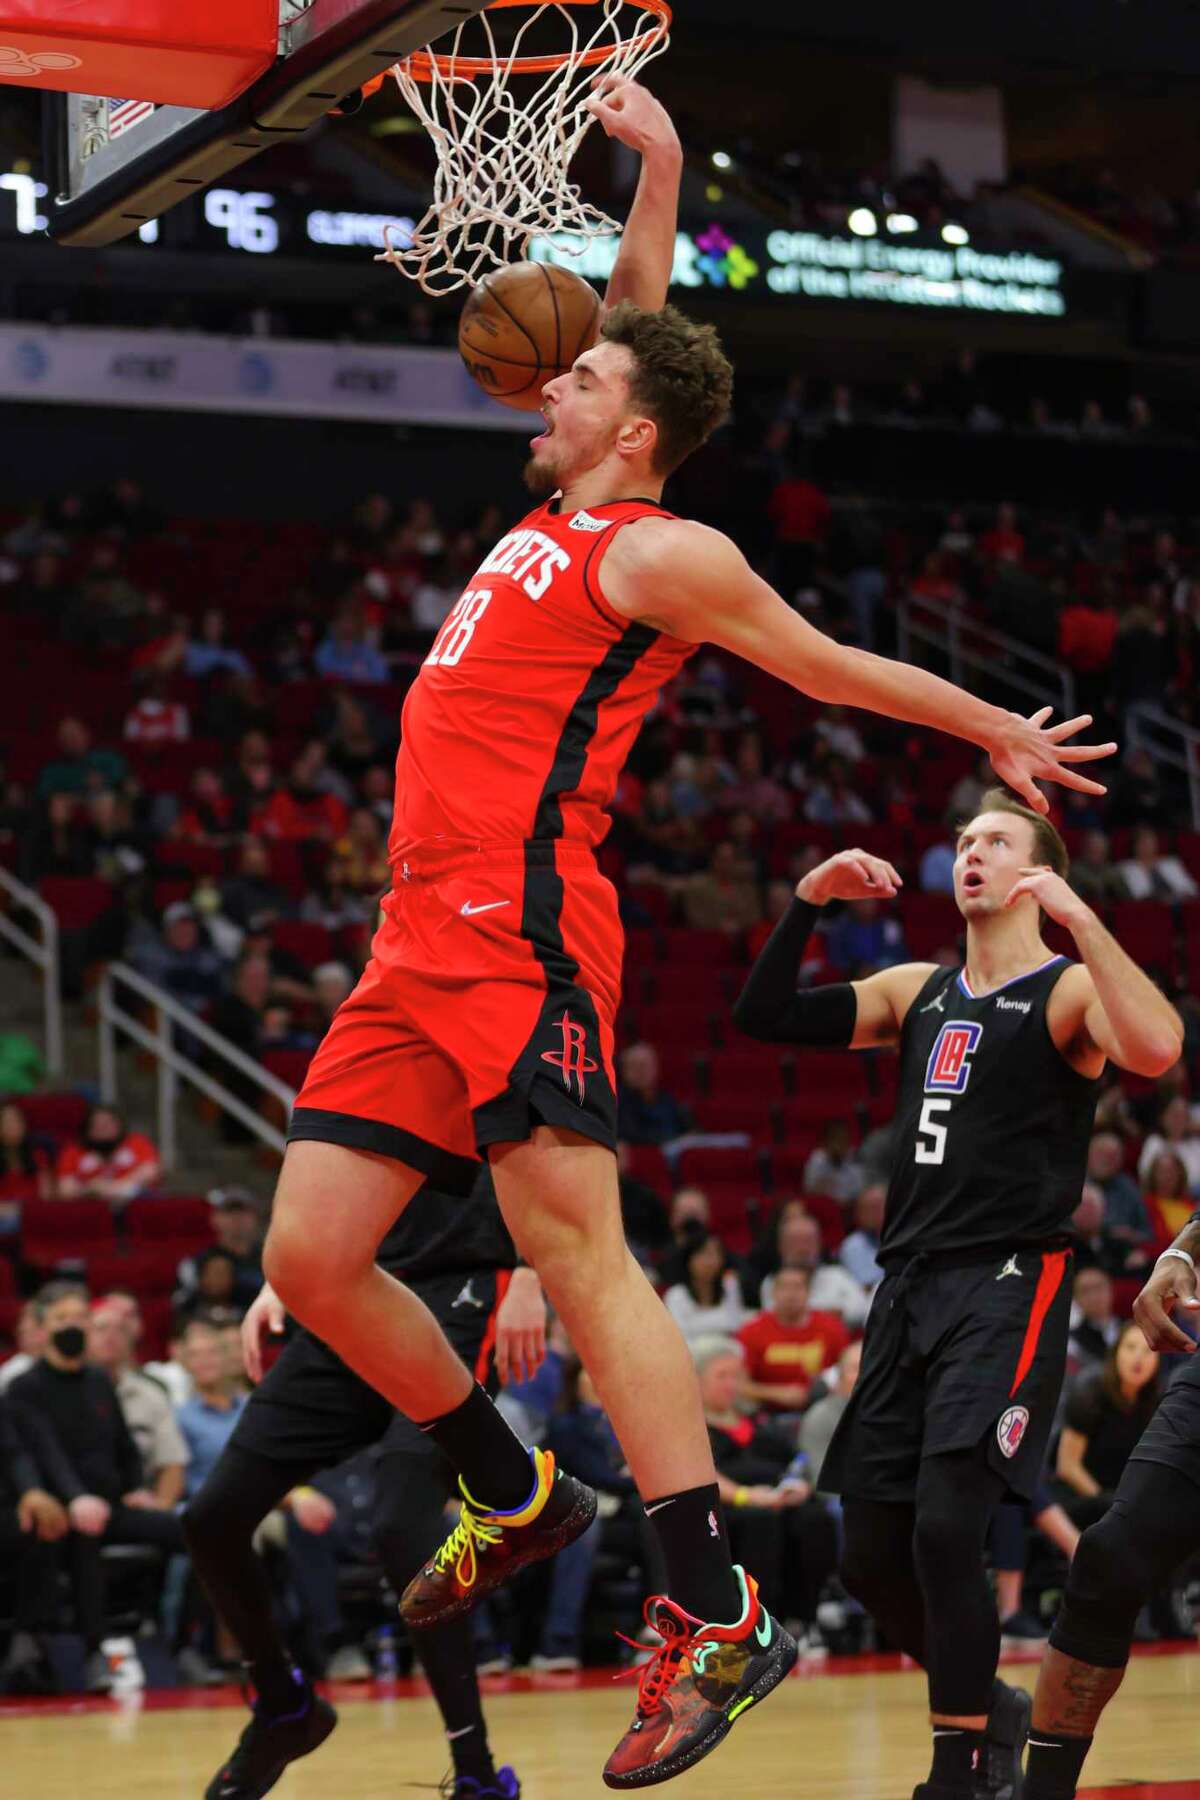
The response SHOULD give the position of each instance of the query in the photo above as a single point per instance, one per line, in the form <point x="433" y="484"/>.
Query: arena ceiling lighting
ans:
<point x="862" y="222"/>
<point x="899" y="223"/>
<point x="955" y="234"/>
<point x="721" y="159"/>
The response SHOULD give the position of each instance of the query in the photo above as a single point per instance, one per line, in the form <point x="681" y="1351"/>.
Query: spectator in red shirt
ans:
<point x="303" y="809"/>
<point x="25" y="1172"/>
<point x="800" y="514"/>
<point x="1087" y="633"/>
<point x="208" y="817"/>
<point x="155" y="719"/>
<point x="1003" y="543"/>
<point x="788" y="1346"/>
<point x="109" y="1162"/>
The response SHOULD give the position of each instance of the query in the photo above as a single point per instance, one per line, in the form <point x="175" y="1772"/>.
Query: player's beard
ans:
<point x="541" y="476"/>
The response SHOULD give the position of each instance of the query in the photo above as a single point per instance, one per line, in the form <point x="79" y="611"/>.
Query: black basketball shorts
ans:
<point x="956" y="1352"/>
<point x="311" y="1408"/>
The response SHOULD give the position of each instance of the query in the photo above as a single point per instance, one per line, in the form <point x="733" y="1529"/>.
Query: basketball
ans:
<point x="523" y="326"/>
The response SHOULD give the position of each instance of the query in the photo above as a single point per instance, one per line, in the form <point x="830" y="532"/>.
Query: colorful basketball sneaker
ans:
<point x="693" y="1689"/>
<point x="486" y="1549"/>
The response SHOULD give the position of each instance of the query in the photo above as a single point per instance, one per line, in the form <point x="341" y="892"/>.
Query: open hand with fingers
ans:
<point x="1027" y="751"/>
<point x="1172" y="1284"/>
<point x="850" y="875"/>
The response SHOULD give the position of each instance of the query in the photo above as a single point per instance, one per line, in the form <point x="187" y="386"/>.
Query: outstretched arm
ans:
<point x="631" y="114"/>
<point x="694" y="583"/>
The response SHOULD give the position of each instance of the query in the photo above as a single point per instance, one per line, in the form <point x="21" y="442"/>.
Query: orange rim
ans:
<point x="423" y="64"/>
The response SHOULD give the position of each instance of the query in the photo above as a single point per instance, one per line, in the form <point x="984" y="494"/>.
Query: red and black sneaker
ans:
<point x="693" y="1689"/>
<point x="486" y="1549"/>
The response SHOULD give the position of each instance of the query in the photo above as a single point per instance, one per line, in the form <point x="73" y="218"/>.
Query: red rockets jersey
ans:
<point x="528" y="704"/>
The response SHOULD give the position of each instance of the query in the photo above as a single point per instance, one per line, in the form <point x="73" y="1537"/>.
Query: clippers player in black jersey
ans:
<point x="1152" y="1526"/>
<point x="309" y="1413"/>
<point x="966" y="1341"/>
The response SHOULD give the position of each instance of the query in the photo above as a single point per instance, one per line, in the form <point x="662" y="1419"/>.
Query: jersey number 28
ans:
<point x="931" y="1137"/>
<point x="459" y="628"/>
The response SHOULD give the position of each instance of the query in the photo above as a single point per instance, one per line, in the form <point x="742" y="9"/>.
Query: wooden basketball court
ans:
<point x="831" y="1734"/>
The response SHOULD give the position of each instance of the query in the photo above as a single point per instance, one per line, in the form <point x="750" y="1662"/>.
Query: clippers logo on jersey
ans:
<point x="530" y="557"/>
<point x="1011" y="1430"/>
<point x="573" y="1058"/>
<point x="949" y="1066"/>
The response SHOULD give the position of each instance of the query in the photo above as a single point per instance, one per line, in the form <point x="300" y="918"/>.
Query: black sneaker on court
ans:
<point x="268" y="1745"/>
<point x="999" y="1775"/>
<point x="486" y="1549"/>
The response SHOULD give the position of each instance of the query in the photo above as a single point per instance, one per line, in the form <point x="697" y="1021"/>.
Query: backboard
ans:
<point x="117" y="164"/>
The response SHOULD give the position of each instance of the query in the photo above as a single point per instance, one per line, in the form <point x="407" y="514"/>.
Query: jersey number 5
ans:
<point x="459" y="628"/>
<point x="931" y="1137"/>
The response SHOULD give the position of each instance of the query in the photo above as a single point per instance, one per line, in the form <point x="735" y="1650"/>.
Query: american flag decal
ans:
<point x="122" y="114"/>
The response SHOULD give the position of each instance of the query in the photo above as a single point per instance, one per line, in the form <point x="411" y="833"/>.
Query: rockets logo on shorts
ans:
<point x="1011" y="1430"/>
<point x="572" y="1058"/>
<point x="949" y="1066"/>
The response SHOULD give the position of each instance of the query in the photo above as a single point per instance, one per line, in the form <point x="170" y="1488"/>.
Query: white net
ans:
<point x="506" y="120"/>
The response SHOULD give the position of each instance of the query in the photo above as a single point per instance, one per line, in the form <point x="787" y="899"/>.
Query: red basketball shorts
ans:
<point x="486" y="1008"/>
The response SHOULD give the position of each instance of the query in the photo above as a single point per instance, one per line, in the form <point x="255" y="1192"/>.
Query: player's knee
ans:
<point x="307" y="1270"/>
<point x="948" y="1538"/>
<point x="1110" y="1581"/>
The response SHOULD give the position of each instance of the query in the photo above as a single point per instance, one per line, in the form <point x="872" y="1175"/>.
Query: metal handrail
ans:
<point x="175" y="1063"/>
<point x="966" y="644"/>
<point x="44" y="955"/>
<point x="1168" y="741"/>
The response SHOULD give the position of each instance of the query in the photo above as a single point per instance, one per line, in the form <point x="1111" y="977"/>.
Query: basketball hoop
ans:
<point x="506" y="120"/>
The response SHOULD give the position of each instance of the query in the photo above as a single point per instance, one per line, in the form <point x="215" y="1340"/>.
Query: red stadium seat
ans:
<point x="145" y="1269"/>
<point x="290" y="1066"/>
<point x="178" y="1219"/>
<point x="310" y="944"/>
<point x="55" y="1231"/>
<point x="735" y="1210"/>
<point x="930" y="922"/>
<point x="1145" y="929"/>
<point x="647" y="1163"/>
<point x="702" y="1165"/>
<point x="57" y="1115"/>
<point x="77" y="900"/>
<point x="156" y="1328"/>
<point x="8" y="1279"/>
<point x="175" y="854"/>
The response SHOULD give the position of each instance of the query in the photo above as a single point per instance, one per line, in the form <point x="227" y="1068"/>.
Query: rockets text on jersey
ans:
<point x="529" y="701"/>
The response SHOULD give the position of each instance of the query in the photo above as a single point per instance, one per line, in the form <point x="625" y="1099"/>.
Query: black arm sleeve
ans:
<point x="769" y="1007"/>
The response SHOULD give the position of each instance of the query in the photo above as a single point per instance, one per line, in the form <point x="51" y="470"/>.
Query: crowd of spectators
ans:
<point x="227" y="808"/>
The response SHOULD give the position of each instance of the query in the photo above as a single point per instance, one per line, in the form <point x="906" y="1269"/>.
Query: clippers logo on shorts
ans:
<point x="949" y="1066"/>
<point x="1011" y="1429"/>
<point x="573" y="1058"/>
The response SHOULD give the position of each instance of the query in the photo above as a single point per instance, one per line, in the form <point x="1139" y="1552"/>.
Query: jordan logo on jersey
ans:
<point x="949" y="1066"/>
<point x="573" y="1058"/>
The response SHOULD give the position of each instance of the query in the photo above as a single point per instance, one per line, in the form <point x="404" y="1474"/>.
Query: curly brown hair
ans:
<point x="681" y="377"/>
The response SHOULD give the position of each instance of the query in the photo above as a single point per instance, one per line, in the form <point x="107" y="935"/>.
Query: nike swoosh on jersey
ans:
<point x="469" y="911"/>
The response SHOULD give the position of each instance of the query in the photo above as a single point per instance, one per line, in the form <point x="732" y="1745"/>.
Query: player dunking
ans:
<point x="966" y="1342"/>
<point x="1152" y="1526"/>
<point x="483" y="1024"/>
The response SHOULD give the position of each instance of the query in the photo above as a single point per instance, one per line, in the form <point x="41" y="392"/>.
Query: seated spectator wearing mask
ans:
<point x="702" y="1295"/>
<point x="647" y="1114"/>
<point x="772" y="1516"/>
<point x="144" y="1404"/>
<point x="858" y="1251"/>
<point x="832" y="1288"/>
<point x="30" y="1521"/>
<point x="788" y="1345"/>
<point x="90" y="1462"/>
<point x="238" y="1229"/>
<point x="109" y="1162"/>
